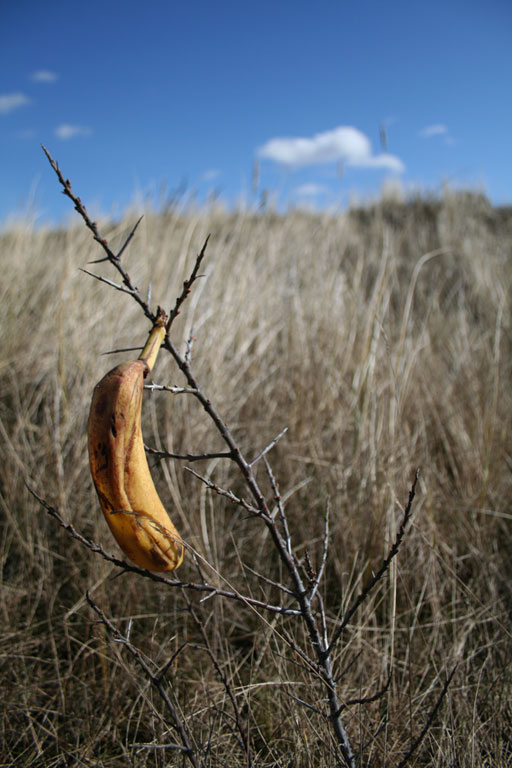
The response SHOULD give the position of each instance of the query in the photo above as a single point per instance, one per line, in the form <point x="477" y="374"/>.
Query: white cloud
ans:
<point x="310" y="190"/>
<point x="44" y="76"/>
<point x="210" y="175"/>
<point x="11" y="101"/>
<point x="28" y="133"/>
<point x="66" y="131"/>
<point x="433" y="130"/>
<point x="344" y="144"/>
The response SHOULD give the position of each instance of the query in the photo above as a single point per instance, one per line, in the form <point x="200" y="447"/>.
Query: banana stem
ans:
<point x="154" y="342"/>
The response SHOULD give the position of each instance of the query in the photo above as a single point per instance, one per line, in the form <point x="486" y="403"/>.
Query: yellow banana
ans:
<point x="119" y="467"/>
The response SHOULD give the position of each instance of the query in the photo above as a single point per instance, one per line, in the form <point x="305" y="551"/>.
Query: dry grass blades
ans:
<point x="381" y="339"/>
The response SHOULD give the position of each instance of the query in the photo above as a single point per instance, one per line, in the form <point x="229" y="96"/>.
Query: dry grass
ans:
<point x="382" y="339"/>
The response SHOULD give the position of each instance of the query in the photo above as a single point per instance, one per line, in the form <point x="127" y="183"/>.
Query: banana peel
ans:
<point x="119" y="468"/>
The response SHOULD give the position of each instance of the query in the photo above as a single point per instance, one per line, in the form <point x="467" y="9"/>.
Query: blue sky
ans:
<point x="139" y="100"/>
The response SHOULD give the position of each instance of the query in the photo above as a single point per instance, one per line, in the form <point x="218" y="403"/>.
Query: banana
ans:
<point x="119" y="468"/>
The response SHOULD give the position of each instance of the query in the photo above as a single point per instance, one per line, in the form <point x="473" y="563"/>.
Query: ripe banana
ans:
<point x="119" y="467"/>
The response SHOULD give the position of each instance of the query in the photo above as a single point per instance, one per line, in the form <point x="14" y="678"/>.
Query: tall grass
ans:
<point x="382" y="339"/>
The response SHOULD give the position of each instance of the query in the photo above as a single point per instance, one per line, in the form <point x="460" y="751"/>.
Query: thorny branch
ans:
<point x="430" y="719"/>
<point x="210" y="589"/>
<point x="156" y="680"/>
<point x="382" y="570"/>
<point x="113" y="258"/>
<point x="369" y="699"/>
<point x="305" y="593"/>
<point x="243" y="739"/>
<point x="227" y="494"/>
<point x="187" y="285"/>
<point x="187" y="456"/>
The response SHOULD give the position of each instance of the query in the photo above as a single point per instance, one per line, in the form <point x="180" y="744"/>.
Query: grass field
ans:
<point x="381" y="338"/>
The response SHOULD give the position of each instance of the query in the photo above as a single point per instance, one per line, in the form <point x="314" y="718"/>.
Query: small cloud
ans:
<point x="44" y="76"/>
<point x="28" y="133"/>
<point x="210" y="175"/>
<point x="344" y="144"/>
<point x="433" y="130"/>
<point x="384" y="160"/>
<point x="11" y="101"/>
<point x="66" y="131"/>
<point x="310" y="190"/>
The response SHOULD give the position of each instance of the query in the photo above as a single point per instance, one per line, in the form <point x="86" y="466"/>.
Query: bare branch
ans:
<point x="187" y="456"/>
<point x="115" y="259"/>
<point x="323" y="619"/>
<point x="269" y="447"/>
<point x="429" y="722"/>
<point x="280" y="507"/>
<point x="382" y="570"/>
<point x="120" y="252"/>
<point x="272" y="583"/>
<point x="305" y="704"/>
<point x="282" y="546"/>
<point x="126" y="243"/>
<point x="240" y="727"/>
<point x="168" y="664"/>
<point x="368" y="699"/>
<point x="187" y="285"/>
<point x="188" y="350"/>
<point x="108" y="282"/>
<point x="372" y="738"/>
<point x="323" y="560"/>
<point x="175" y="583"/>
<point x="156" y="680"/>
<point x="227" y="494"/>
<point x="346" y="669"/>
<point x="125" y="349"/>
<point x="174" y="390"/>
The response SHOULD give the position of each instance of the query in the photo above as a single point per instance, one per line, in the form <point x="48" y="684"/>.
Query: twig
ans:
<point x="187" y="285"/>
<point x="168" y="664"/>
<point x="188" y="350"/>
<point x="240" y="727"/>
<point x="269" y="447"/>
<point x="323" y="619"/>
<point x="174" y="390"/>
<point x="108" y="282"/>
<point x="187" y="456"/>
<point x="323" y="560"/>
<point x="429" y="722"/>
<point x="227" y="494"/>
<point x="382" y="570"/>
<point x="368" y="699"/>
<point x="280" y="507"/>
<point x="124" y="349"/>
<point x="349" y="666"/>
<point x="129" y="568"/>
<point x="372" y="738"/>
<point x="156" y="680"/>
<point x="305" y="704"/>
<point x="113" y="258"/>
<point x="125" y="245"/>
<point x="269" y="581"/>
